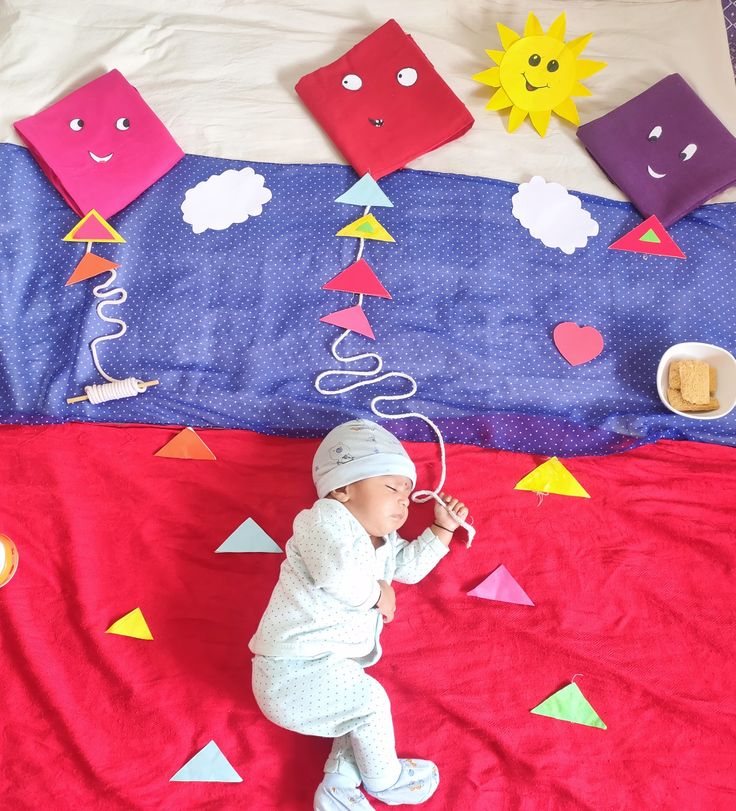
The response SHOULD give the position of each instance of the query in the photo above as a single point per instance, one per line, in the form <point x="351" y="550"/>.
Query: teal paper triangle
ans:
<point x="366" y="192"/>
<point x="249" y="537"/>
<point x="569" y="704"/>
<point x="650" y="236"/>
<point x="209" y="765"/>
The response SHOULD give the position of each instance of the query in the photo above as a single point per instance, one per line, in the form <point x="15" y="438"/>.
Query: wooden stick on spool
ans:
<point x="145" y="383"/>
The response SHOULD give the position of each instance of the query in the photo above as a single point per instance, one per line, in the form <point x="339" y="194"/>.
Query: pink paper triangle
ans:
<point x="500" y="585"/>
<point x="352" y="318"/>
<point x="92" y="231"/>
<point x="358" y="278"/>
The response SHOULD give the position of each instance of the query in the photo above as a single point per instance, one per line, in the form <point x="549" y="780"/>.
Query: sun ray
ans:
<point x="499" y="100"/>
<point x="540" y="120"/>
<point x="516" y="116"/>
<point x="579" y="89"/>
<point x="508" y="37"/>
<point x="490" y="77"/>
<point x="586" y="67"/>
<point x="497" y="56"/>
<point x="568" y="111"/>
<point x="533" y="27"/>
<point x="557" y="29"/>
<point x="577" y="46"/>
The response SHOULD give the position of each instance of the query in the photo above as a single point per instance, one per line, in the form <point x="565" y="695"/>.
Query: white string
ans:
<point x="122" y="296"/>
<point x="419" y="496"/>
<point x="116" y="390"/>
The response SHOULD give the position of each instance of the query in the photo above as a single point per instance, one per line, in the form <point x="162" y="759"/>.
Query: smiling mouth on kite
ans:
<point x="98" y="159"/>
<point x="377" y="122"/>
<point x="531" y="87"/>
<point x="654" y="174"/>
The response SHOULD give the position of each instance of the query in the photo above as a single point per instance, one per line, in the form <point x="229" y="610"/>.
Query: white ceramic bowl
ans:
<point x="725" y="365"/>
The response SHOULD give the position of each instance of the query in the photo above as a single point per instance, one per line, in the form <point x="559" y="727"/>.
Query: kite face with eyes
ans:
<point x="383" y="103"/>
<point x="101" y="146"/>
<point x="664" y="149"/>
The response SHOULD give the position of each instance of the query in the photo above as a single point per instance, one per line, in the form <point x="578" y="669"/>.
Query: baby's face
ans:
<point x="380" y="503"/>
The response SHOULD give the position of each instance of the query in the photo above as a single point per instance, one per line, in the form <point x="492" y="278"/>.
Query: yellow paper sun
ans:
<point x="538" y="74"/>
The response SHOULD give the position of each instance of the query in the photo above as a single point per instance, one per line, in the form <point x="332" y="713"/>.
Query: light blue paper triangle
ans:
<point x="209" y="765"/>
<point x="249" y="537"/>
<point x="366" y="192"/>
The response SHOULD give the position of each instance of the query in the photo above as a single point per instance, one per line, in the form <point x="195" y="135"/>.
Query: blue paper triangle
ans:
<point x="249" y="537"/>
<point x="366" y="192"/>
<point x="209" y="765"/>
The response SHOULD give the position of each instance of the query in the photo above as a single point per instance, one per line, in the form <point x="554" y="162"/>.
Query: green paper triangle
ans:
<point x="650" y="236"/>
<point x="365" y="228"/>
<point x="569" y="704"/>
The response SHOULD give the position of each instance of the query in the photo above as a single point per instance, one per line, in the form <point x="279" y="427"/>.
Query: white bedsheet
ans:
<point x="221" y="74"/>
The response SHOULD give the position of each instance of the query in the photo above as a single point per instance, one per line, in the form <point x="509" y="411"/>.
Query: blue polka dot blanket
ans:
<point x="228" y="319"/>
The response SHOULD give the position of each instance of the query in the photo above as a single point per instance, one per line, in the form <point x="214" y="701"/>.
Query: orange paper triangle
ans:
<point x="186" y="445"/>
<point x="93" y="227"/>
<point x="91" y="265"/>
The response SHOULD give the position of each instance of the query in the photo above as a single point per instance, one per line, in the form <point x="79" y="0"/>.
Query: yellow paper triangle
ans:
<point x="366" y="227"/>
<point x="92" y="218"/>
<point x="552" y="477"/>
<point x="132" y="624"/>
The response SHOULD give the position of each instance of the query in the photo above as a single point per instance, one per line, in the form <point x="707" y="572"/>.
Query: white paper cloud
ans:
<point x="553" y="215"/>
<point x="225" y="199"/>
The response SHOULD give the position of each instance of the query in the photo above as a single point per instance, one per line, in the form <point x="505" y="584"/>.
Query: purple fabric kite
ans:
<point x="664" y="149"/>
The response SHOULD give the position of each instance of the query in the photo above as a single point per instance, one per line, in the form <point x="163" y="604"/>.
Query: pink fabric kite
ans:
<point x="101" y="146"/>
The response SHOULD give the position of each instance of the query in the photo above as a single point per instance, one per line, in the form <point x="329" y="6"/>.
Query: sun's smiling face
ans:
<point x="538" y="74"/>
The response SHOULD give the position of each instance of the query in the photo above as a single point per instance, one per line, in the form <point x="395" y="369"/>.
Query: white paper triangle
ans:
<point x="249" y="537"/>
<point x="209" y="765"/>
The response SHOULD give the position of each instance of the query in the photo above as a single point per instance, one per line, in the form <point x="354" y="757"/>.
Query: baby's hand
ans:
<point x="444" y="519"/>
<point x="387" y="601"/>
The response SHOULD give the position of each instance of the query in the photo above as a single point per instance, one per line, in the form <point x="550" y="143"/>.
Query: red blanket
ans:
<point x="633" y="590"/>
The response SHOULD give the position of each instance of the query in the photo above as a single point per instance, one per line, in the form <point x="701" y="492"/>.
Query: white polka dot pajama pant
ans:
<point x="332" y="697"/>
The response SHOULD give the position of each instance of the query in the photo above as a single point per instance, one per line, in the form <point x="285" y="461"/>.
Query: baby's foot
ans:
<point x="417" y="782"/>
<point x="339" y="797"/>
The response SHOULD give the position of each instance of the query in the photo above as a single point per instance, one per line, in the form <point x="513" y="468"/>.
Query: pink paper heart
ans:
<point x="577" y="344"/>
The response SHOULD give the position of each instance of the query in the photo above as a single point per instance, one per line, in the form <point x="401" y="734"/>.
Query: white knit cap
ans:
<point x="358" y="450"/>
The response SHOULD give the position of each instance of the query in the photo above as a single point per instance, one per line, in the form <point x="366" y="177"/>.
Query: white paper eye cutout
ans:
<point x="122" y="124"/>
<point x="655" y="133"/>
<point x="352" y="81"/>
<point x="688" y="151"/>
<point x="407" y="77"/>
<point x="76" y="124"/>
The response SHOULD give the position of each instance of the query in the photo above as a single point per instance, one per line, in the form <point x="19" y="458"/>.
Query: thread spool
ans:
<point x="115" y="390"/>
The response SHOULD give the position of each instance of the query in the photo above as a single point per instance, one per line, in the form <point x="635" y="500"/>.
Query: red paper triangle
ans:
<point x="633" y="240"/>
<point x="358" y="278"/>
<point x="352" y="318"/>
<point x="186" y="445"/>
<point x="91" y="265"/>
